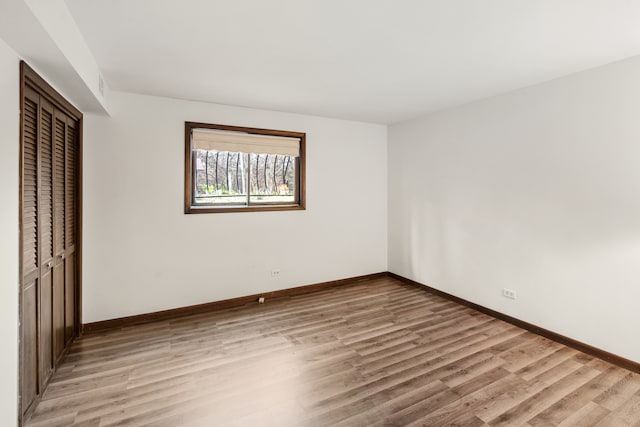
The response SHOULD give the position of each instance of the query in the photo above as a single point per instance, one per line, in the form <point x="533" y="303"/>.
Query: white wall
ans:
<point x="537" y="191"/>
<point x="143" y="254"/>
<point x="9" y="161"/>
<point x="51" y="51"/>
<point x="56" y="19"/>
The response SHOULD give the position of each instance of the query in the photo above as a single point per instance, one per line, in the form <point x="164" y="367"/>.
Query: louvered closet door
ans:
<point x="45" y="211"/>
<point x="59" y="235"/>
<point x="71" y="230"/>
<point x="30" y="261"/>
<point x="50" y="158"/>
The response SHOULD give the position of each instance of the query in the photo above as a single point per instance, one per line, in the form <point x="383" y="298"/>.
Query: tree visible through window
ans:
<point x="238" y="169"/>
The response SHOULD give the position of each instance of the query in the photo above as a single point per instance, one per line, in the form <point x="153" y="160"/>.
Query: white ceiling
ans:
<point x="378" y="61"/>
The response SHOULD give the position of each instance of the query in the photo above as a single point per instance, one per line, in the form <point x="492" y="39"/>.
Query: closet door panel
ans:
<point x="46" y="329"/>
<point x="58" y="311"/>
<point x="29" y="248"/>
<point x="59" y="235"/>
<point x="49" y="249"/>
<point x="29" y="345"/>
<point x="45" y="201"/>
<point x="71" y="186"/>
<point x="60" y="138"/>
<point x="45" y="213"/>
<point x="30" y="185"/>
<point x="70" y="229"/>
<point x="69" y="297"/>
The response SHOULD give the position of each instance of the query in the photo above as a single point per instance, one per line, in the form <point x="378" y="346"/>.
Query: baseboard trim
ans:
<point x="240" y="301"/>
<point x="569" y="342"/>
<point x="138" y="319"/>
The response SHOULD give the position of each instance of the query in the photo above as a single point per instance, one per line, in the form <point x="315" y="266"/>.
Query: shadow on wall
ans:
<point x="426" y="245"/>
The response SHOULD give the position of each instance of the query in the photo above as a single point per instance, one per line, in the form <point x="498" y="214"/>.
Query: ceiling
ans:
<point x="378" y="61"/>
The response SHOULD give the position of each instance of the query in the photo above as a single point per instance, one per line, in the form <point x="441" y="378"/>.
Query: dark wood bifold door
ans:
<point x="49" y="233"/>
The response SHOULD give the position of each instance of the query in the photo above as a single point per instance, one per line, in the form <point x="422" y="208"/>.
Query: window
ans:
<point x="239" y="169"/>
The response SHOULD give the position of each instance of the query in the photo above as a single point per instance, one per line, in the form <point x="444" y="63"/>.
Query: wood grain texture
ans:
<point x="217" y="305"/>
<point x="373" y="353"/>
<point x="570" y="342"/>
<point x="47" y="306"/>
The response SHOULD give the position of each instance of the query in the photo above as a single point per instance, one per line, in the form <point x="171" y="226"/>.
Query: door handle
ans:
<point x="50" y="264"/>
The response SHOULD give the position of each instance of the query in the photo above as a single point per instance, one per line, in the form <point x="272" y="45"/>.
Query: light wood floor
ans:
<point x="373" y="353"/>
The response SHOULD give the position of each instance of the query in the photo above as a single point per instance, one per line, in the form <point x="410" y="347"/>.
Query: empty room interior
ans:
<point x="319" y="213"/>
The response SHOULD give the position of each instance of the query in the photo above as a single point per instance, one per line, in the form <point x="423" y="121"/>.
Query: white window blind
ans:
<point x="239" y="142"/>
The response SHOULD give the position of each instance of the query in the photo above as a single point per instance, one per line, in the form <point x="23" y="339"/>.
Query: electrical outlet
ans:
<point x="508" y="293"/>
<point x="275" y="273"/>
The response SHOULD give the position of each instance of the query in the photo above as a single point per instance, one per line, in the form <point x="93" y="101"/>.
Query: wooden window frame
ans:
<point x="189" y="175"/>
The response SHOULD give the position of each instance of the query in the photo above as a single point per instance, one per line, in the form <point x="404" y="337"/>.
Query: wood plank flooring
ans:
<point x="375" y="353"/>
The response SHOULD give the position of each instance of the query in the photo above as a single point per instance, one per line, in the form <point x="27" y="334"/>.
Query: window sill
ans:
<point x="229" y="209"/>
